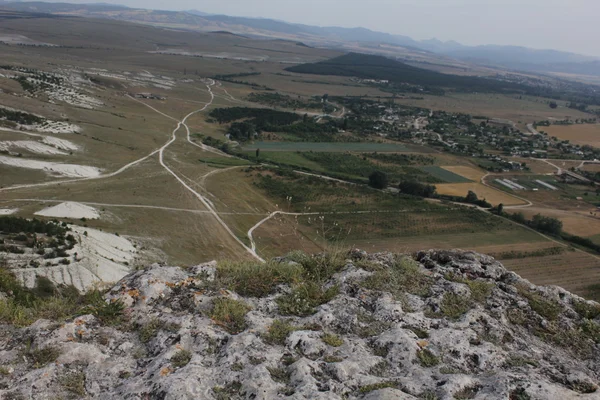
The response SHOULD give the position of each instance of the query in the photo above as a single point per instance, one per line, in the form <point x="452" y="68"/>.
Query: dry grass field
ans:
<point x="577" y="134"/>
<point x="493" y="196"/>
<point x="205" y="211"/>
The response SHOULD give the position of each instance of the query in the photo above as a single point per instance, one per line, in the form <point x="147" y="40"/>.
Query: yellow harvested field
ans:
<point x="536" y="166"/>
<point x="492" y="195"/>
<point x="467" y="172"/>
<point x="580" y="223"/>
<point x="577" y="134"/>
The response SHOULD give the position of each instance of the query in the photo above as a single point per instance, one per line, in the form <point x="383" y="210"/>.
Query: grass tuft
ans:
<point x="332" y="340"/>
<point x="256" y="280"/>
<point x="73" y="382"/>
<point x="427" y="358"/>
<point x="278" y="332"/>
<point x="150" y="330"/>
<point x="304" y="298"/>
<point x="404" y="276"/>
<point x="230" y="315"/>
<point x="378" y="386"/>
<point x="181" y="359"/>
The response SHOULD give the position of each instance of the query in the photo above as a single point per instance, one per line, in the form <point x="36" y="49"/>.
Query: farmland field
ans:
<point x="471" y="173"/>
<point x="577" y="134"/>
<point x="574" y="271"/>
<point x="444" y="174"/>
<point x="335" y="147"/>
<point x="493" y="196"/>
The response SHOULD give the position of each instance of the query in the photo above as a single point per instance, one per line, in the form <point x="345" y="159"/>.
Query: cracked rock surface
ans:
<point x="456" y="325"/>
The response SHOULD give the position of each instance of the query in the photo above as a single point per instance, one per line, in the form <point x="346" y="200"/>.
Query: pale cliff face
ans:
<point x="444" y="325"/>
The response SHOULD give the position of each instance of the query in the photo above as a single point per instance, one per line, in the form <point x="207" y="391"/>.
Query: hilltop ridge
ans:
<point x="433" y="325"/>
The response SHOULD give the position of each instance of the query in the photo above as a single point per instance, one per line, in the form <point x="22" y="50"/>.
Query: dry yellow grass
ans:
<point x="591" y="167"/>
<point x="580" y="223"/>
<point x="577" y="134"/>
<point x="468" y="172"/>
<point x="492" y="195"/>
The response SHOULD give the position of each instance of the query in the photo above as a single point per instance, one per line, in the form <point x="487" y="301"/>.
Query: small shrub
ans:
<point x="278" y="332"/>
<point x="586" y="310"/>
<point x="304" y="298"/>
<point x="150" y="330"/>
<point x="110" y="313"/>
<point x="427" y="358"/>
<point x="230" y="315"/>
<point x="332" y="340"/>
<point x="583" y="387"/>
<point x="227" y="392"/>
<point x="518" y="361"/>
<point x="480" y="290"/>
<point x="181" y="359"/>
<point x="4" y="371"/>
<point x="548" y="309"/>
<point x="280" y="375"/>
<point x="42" y="356"/>
<point x="468" y="392"/>
<point x="421" y="334"/>
<point x="454" y="306"/>
<point x="519" y="394"/>
<point x="73" y="382"/>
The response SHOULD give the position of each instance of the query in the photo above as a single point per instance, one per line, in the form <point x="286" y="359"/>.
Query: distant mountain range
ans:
<point x="511" y="57"/>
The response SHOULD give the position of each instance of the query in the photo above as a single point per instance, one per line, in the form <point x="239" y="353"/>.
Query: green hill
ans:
<point x="367" y="66"/>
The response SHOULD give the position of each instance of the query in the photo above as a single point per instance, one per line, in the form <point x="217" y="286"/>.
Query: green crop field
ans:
<point x="444" y="175"/>
<point x="332" y="147"/>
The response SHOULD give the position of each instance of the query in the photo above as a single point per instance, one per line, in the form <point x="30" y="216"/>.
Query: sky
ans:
<point x="568" y="25"/>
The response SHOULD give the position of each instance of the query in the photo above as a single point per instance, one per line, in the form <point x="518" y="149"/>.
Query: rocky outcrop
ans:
<point x="442" y="325"/>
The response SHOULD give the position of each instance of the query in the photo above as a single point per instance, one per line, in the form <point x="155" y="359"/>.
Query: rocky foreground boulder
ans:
<point x="433" y="325"/>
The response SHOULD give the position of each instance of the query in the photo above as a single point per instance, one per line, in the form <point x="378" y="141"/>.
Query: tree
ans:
<point x="257" y="153"/>
<point x="500" y="208"/>
<point x="471" y="197"/>
<point x="415" y="188"/>
<point x="553" y="104"/>
<point x="378" y="180"/>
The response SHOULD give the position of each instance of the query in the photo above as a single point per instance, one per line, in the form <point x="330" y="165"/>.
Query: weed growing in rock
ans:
<point x="403" y="276"/>
<point x="150" y="330"/>
<point x="304" y="298"/>
<point x="181" y="359"/>
<point x="585" y="309"/>
<point x="421" y="334"/>
<point x="42" y="356"/>
<point x="546" y="308"/>
<point x="480" y="290"/>
<point x="278" y="332"/>
<point x="257" y="280"/>
<point x="230" y="315"/>
<point x="427" y="358"/>
<point x="332" y="340"/>
<point x="454" y="306"/>
<point x="467" y="393"/>
<point x="378" y="386"/>
<point x="4" y="371"/>
<point x="332" y="359"/>
<point x="228" y="391"/>
<point x="280" y="375"/>
<point x="519" y="394"/>
<point x="73" y="382"/>
<point x="110" y="313"/>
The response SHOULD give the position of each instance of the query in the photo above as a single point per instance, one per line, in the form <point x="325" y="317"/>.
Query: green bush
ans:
<point x="181" y="359"/>
<point x="427" y="358"/>
<point x="403" y="276"/>
<point x="278" y="332"/>
<point x="254" y="279"/>
<point x="332" y="340"/>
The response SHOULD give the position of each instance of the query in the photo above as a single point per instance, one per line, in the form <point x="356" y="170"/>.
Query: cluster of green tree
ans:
<point x="285" y="101"/>
<point x="231" y="78"/>
<point x="366" y="66"/>
<point x="414" y="188"/>
<point x="401" y="159"/>
<point x="549" y="225"/>
<point x="10" y="224"/>
<point x="25" y="84"/>
<point x="216" y="143"/>
<point x="259" y="116"/>
<point x="552" y="226"/>
<point x="20" y="117"/>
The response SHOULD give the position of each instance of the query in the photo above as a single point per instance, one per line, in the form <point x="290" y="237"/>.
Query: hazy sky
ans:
<point x="570" y="25"/>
